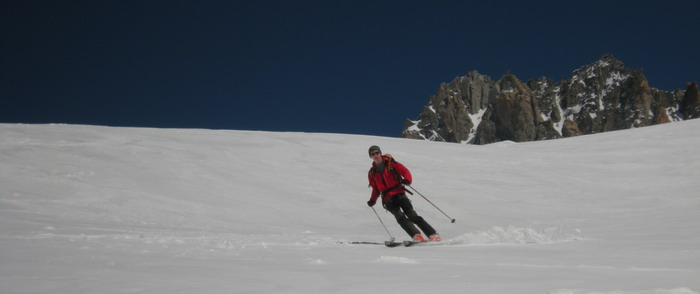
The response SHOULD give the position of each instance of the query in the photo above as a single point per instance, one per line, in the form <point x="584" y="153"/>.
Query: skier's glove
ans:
<point x="406" y="182"/>
<point x="371" y="203"/>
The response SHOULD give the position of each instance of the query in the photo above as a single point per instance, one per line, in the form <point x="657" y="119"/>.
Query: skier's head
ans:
<point x="374" y="148"/>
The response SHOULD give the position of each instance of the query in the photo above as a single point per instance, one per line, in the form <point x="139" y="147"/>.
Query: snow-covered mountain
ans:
<point x="88" y="209"/>
<point x="599" y="97"/>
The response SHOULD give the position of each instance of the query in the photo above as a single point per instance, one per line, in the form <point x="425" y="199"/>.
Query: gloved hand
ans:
<point x="371" y="203"/>
<point x="406" y="182"/>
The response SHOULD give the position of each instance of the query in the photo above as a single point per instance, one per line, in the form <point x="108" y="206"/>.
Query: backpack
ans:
<point x="389" y="168"/>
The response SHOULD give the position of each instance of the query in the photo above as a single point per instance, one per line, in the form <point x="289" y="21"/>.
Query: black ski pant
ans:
<point x="400" y="206"/>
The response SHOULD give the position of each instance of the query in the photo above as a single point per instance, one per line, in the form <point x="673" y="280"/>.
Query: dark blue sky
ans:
<point x="358" y="67"/>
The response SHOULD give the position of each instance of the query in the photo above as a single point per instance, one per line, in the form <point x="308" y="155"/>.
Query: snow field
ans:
<point x="87" y="209"/>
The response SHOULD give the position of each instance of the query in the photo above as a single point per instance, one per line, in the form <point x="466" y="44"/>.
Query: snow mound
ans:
<point x="318" y="262"/>
<point x="514" y="235"/>
<point x="396" y="260"/>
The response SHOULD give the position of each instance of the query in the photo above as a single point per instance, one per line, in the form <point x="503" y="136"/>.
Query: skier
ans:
<point x="387" y="179"/>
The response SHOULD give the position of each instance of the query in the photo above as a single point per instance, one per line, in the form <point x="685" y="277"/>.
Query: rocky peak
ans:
<point x="598" y="97"/>
<point x="691" y="101"/>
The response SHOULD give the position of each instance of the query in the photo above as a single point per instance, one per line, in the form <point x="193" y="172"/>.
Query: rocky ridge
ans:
<point x="598" y="97"/>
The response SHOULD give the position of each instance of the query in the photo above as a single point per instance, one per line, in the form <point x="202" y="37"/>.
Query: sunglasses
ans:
<point x="375" y="153"/>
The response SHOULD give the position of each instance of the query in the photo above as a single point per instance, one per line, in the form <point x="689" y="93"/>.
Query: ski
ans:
<point x="389" y="243"/>
<point x="362" y="243"/>
<point x="425" y="243"/>
<point x="392" y="243"/>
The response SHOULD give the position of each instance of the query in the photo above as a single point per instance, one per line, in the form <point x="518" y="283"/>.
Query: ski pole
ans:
<point x="426" y="199"/>
<point x="383" y="225"/>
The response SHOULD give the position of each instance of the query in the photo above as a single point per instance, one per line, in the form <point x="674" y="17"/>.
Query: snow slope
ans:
<point x="88" y="209"/>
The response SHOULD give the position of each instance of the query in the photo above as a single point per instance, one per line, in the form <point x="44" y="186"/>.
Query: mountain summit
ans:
<point x="598" y="97"/>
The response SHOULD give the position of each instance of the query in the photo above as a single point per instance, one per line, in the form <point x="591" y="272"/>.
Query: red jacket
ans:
<point x="387" y="183"/>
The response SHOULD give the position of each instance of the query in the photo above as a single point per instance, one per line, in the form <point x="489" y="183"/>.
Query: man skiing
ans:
<point x="387" y="179"/>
